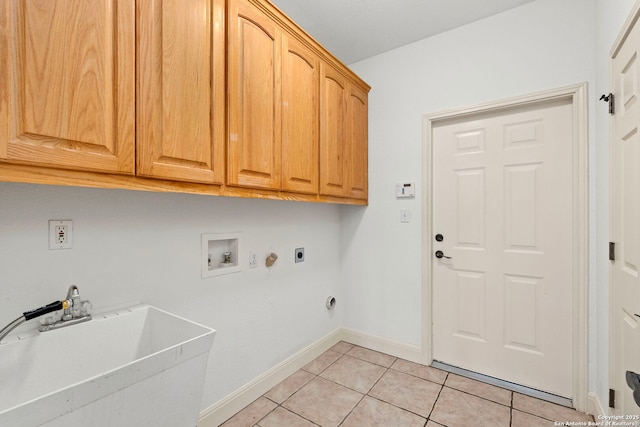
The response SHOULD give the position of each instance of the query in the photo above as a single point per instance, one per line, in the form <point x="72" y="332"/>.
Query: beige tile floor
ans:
<point x="352" y="386"/>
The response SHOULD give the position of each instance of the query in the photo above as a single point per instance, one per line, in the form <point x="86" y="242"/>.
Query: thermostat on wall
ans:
<point x="406" y="189"/>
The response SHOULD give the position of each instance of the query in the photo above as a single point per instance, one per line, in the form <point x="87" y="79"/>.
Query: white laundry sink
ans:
<point x="139" y="366"/>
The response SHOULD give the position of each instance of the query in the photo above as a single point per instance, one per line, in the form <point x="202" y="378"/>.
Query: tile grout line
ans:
<point x="437" y="397"/>
<point x="400" y="407"/>
<point x="356" y="405"/>
<point x="475" y="395"/>
<point x="318" y="376"/>
<point x="279" y="405"/>
<point x="349" y="388"/>
<point x="267" y="414"/>
<point x="314" y="376"/>
<point x="511" y="410"/>
<point x="359" y="401"/>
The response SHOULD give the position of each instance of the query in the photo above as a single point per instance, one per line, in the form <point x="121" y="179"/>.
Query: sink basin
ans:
<point x="139" y="366"/>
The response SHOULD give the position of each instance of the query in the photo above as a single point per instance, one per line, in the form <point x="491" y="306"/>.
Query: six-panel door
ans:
<point x="503" y="206"/>
<point x="624" y="270"/>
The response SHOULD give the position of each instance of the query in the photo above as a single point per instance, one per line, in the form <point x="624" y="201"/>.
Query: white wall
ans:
<point x="134" y="246"/>
<point x="542" y="45"/>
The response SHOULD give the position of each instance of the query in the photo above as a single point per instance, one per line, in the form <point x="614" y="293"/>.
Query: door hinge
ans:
<point x="612" y="251"/>
<point x="612" y="398"/>
<point x="611" y="100"/>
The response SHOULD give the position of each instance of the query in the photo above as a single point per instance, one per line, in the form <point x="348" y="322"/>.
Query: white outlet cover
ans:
<point x="53" y="235"/>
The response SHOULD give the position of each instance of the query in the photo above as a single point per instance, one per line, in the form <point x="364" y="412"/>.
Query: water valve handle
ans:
<point x="54" y="306"/>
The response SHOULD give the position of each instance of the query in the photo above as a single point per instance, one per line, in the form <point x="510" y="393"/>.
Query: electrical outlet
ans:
<point x="253" y="260"/>
<point x="60" y="234"/>
<point x="299" y="255"/>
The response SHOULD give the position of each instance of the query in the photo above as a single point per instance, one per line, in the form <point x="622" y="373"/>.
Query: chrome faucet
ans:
<point x="75" y="311"/>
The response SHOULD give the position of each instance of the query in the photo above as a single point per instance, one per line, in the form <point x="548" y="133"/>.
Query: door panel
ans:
<point x="357" y="143"/>
<point x="625" y="223"/>
<point x="502" y="197"/>
<point x="254" y="154"/>
<point x="333" y="132"/>
<point x="300" y="133"/>
<point x="181" y="90"/>
<point x="68" y="84"/>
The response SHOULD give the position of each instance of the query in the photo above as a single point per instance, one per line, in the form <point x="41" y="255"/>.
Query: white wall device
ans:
<point x="405" y="189"/>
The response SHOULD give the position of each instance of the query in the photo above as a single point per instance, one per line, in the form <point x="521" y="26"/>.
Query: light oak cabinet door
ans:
<point x="254" y="62"/>
<point x="343" y="136"/>
<point x="300" y="126"/>
<point x="357" y="144"/>
<point x="181" y="99"/>
<point x="333" y="132"/>
<point x="67" y="83"/>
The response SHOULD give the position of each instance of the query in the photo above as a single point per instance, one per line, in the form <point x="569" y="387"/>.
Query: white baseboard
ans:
<point x="221" y="411"/>
<point x="233" y="403"/>
<point x="594" y="406"/>
<point x="412" y="353"/>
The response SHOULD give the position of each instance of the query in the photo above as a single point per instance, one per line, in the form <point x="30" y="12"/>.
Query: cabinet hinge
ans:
<point x="612" y="398"/>
<point x="612" y="251"/>
<point x="611" y="100"/>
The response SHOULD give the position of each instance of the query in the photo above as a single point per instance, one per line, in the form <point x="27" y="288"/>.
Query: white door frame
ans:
<point x="578" y="96"/>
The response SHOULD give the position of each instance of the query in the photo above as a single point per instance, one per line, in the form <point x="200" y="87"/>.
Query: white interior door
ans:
<point x="625" y="222"/>
<point x="503" y="205"/>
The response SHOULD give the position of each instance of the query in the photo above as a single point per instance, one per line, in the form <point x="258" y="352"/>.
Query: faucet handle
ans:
<point x="73" y="292"/>
<point x="85" y="308"/>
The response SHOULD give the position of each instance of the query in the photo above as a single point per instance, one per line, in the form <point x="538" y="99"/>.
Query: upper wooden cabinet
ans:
<point x="300" y="127"/>
<point x="343" y="136"/>
<point x="333" y="132"/>
<point x="273" y="104"/>
<point x="181" y="93"/>
<point x="67" y="83"/>
<point x="224" y="97"/>
<point x="254" y="69"/>
<point x="356" y="157"/>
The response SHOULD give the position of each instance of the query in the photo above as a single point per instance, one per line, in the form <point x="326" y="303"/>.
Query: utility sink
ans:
<point x="139" y="366"/>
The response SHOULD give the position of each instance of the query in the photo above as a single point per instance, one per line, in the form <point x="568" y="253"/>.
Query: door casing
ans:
<point x="578" y="96"/>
